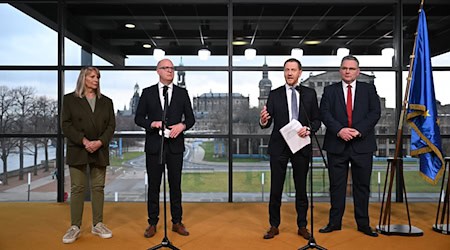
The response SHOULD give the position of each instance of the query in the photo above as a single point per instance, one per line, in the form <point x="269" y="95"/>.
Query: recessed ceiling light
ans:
<point x="312" y="42"/>
<point x="342" y="36"/>
<point x="146" y="45"/>
<point x="130" y="25"/>
<point x="157" y="37"/>
<point x="240" y="42"/>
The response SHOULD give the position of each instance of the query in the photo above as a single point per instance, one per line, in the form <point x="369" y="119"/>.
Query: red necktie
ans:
<point x="349" y="105"/>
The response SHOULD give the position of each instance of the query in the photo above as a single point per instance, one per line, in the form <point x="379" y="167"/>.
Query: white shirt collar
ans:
<point x="353" y="84"/>
<point x="289" y="86"/>
<point x="160" y="85"/>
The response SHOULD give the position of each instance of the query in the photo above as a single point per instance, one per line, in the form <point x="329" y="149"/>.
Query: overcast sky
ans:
<point x="24" y="41"/>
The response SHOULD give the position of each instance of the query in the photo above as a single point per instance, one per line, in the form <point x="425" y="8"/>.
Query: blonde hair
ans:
<point x="79" y="89"/>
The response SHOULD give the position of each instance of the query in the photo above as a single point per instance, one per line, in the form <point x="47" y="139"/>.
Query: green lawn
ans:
<point x="210" y="156"/>
<point x="117" y="161"/>
<point x="251" y="182"/>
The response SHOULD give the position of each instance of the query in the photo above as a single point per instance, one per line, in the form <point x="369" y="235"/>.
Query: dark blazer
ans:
<point x="149" y="109"/>
<point x="277" y="107"/>
<point x="79" y="121"/>
<point x="366" y="113"/>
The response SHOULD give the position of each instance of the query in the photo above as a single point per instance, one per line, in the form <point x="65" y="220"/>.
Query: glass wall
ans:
<point x="226" y="151"/>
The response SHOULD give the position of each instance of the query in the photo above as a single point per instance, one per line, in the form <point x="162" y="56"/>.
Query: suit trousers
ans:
<point x="78" y="181"/>
<point x="361" y="168"/>
<point x="278" y="167"/>
<point x="155" y="170"/>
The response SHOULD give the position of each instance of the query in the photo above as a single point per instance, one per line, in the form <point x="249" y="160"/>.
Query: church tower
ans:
<point x="134" y="100"/>
<point x="181" y="75"/>
<point x="265" y="85"/>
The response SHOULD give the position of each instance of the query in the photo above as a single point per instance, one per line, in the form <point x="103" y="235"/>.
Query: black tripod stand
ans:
<point x="311" y="242"/>
<point x="162" y="161"/>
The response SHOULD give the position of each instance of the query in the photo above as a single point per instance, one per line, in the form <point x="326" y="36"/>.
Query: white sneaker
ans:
<point x="101" y="230"/>
<point x="71" y="235"/>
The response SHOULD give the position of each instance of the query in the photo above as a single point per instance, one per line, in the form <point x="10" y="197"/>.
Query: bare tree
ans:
<point x="6" y="123"/>
<point x="24" y="99"/>
<point x="49" y="122"/>
<point x="41" y="118"/>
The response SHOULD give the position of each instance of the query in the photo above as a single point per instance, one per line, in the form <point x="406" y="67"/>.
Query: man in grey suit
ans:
<point x="288" y="102"/>
<point x="179" y="118"/>
<point x="350" y="109"/>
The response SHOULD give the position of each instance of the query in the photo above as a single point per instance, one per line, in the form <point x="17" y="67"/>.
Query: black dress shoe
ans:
<point x="368" y="231"/>
<point x="329" y="228"/>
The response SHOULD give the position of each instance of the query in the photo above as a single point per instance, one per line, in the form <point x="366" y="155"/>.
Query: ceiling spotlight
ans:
<point x="204" y="54"/>
<point x="158" y="54"/>
<point x="250" y="53"/>
<point x="387" y="52"/>
<point x="239" y="42"/>
<point x="341" y="52"/>
<point x="146" y="45"/>
<point x="296" y="53"/>
<point x="312" y="42"/>
<point x="130" y="25"/>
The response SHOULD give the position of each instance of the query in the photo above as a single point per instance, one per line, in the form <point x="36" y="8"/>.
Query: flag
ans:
<point x="422" y="113"/>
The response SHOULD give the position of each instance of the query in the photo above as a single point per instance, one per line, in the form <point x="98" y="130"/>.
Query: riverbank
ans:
<point x="13" y="179"/>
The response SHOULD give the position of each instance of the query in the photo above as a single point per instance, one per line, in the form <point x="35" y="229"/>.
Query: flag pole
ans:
<point x="386" y="227"/>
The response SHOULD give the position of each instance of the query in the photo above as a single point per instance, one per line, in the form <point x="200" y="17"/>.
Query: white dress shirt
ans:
<point x="161" y="95"/>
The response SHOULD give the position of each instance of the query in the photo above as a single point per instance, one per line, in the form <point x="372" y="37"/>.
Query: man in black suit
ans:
<point x="149" y="116"/>
<point x="288" y="102"/>
<point x="350" y="110"/>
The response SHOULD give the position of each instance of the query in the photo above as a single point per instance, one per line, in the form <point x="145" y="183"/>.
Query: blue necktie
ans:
<point x="294" y="106"/>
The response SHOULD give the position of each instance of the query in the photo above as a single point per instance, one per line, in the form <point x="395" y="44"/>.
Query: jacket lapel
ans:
<point x="341" y="97"/>
<point x="87" y="109"/>
<point x="285" y="109"/>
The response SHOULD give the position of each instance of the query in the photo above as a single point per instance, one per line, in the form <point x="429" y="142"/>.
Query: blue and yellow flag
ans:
<point x="422" y="113"/>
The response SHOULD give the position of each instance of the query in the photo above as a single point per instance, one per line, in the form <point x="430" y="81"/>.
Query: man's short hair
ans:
<point x="351" y="58"/>
<point x="293" y="60"/>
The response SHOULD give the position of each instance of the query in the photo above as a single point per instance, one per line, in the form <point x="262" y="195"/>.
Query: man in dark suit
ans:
<point x="350" y="110"/>
<point x="288" y="102"/>
<point x="179" y="118"/>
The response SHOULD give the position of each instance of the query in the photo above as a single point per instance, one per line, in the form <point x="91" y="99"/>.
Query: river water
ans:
<point x="28" y="158"/>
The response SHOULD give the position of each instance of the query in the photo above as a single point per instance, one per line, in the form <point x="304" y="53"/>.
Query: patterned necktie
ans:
<point x="349" y="105"/>
<point x="294" y="105"/>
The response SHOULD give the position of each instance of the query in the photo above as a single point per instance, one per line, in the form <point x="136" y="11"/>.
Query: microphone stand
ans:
<point x="311" y="242"/>
<point x="162" y="161"/>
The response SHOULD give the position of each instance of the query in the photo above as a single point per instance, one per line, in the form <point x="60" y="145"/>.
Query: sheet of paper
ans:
<point x="289" y="133"/>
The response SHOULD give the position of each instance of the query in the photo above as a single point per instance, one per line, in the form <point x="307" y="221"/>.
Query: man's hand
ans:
<point x="348" y="134"/>
<point x="176" y="130"/>
<point x="264" y="116"/>
<point x="156" y="124"/>
<point x="304" y="132"/>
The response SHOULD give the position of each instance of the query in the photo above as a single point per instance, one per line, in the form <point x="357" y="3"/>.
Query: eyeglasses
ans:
<point x="166" y="68"/>
<point x="350" y="69"/>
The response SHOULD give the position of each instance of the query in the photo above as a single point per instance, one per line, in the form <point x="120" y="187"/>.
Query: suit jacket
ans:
<point x="79" y="121"/>
<point x="277" y="107"/>
<point x="366" y="113"/>
<point x="149" y="109"/>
